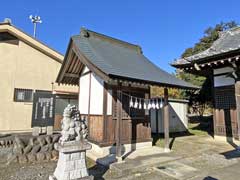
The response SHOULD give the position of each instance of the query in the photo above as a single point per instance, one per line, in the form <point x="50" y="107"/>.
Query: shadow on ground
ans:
<point x="210" y="178"/>
<point x="158" y="138"/>
<point x="203" y="123"/>
<point x="98" y="171"/>
<point x="198" y="125"/>
<point x="232" y="154"/>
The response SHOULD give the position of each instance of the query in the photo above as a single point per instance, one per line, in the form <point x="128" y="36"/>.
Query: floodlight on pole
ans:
<point x="35" y="20"/>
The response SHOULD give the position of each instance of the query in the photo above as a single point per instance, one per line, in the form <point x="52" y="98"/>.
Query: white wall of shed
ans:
<point x="178" y="120"/>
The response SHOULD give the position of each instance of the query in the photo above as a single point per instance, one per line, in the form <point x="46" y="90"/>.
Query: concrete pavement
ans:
<point x="192" y="157"/>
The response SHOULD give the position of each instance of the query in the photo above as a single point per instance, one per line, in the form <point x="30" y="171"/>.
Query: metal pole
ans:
<point x="34" y="29"/>
<point x="35" y="20"/>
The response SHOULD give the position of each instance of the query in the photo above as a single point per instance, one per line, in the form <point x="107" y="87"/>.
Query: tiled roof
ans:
<point x="121" y="59"/>
<point x="229" y="41"/>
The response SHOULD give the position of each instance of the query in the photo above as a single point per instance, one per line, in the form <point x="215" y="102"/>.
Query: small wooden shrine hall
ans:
<point x="114" y="79"/>
<point x="221" y="63"/>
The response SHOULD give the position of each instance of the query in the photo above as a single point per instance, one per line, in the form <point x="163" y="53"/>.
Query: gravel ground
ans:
<point x="40" y="171"/>
<point x="33" y="171"/>
<point x="37" y="171"/>
<point x="28" y="171"/>
<point x="207" y="156"/>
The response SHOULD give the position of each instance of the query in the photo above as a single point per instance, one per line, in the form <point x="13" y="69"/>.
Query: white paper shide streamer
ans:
<point x="147" y="104"/>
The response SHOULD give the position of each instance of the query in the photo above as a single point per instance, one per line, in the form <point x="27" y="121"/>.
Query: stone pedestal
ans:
<point x="36" y="131"/>
<point x="49" y="130"/>
<point x="72" y="161"/>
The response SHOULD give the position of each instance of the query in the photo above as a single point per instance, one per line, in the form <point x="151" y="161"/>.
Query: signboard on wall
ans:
<point x="43" y="109"/>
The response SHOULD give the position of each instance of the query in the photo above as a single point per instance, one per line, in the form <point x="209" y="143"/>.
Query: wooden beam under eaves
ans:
<point x="71" y="75"/>
<point x="196" y="66"/>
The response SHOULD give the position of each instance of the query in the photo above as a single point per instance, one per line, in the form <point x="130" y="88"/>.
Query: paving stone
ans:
<point x="177" y="170"/>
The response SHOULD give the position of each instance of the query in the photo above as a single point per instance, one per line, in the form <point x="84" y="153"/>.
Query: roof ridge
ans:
<point x="112" y="39"/>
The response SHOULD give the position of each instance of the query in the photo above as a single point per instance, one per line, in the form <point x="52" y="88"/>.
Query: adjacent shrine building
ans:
<point x="109" y="71"/>
<point x="221" y="63"/>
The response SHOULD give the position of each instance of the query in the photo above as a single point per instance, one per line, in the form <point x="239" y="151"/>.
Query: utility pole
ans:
<point x="35" y="20"/>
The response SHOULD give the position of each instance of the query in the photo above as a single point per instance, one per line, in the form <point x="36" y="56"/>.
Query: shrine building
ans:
<point x="114" y="79"/>
<point x="220" y="63"/>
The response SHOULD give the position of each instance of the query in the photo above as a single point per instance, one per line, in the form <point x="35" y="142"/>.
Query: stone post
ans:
<point x="36" y="131"/>
<point x="49" y="130"/>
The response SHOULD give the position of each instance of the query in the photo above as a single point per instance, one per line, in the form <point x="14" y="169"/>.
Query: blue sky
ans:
<point x="162" y="28"/>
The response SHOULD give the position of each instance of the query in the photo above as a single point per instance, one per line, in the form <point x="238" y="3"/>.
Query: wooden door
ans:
<point x="237" y="94"/>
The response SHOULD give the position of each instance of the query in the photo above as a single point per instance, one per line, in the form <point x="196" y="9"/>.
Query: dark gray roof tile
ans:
<point x="228" y="41"/>
<point x="119" y="58"/>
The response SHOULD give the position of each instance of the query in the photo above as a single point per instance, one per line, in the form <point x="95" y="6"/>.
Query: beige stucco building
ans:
<point x="27" y="66"/>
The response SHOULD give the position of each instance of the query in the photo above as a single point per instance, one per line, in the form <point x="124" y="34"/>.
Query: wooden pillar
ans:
<point x="156" y="120"/>
<point x="105" y="99"/>
<point x="237" y="95"/>
<point x="119" y="124"/>
<point x="166" y="121"/>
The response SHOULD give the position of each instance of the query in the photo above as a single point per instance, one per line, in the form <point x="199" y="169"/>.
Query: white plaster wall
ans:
<point x="84" y="94"/>
<point x="96" y="97"/>
<point x="96" y="105"/>
<point x="109" y="102"/>
<point x="178" y="121"/>
<point x="222" y="80"/>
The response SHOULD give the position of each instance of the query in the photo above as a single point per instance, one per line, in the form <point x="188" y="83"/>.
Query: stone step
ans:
<point x="130" y="166"/>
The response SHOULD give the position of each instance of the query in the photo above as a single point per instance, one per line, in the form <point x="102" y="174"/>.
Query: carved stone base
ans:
<point x="72" y="161"/>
